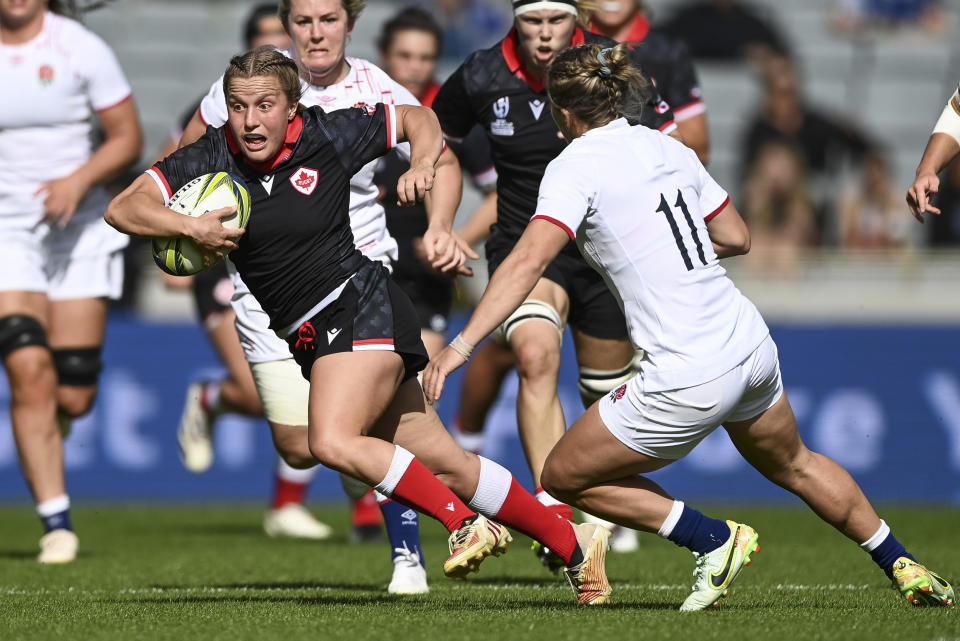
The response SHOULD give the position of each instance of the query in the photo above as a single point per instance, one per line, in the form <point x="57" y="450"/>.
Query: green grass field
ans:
<point x="211" y="573"/>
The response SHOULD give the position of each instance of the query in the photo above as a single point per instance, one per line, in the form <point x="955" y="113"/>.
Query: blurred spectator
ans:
<point x="469" y="25"/>
<point x="726" y="30"/>
<point x="944" y="230"/>
<point x="827" y="145"/>
<point x="778" y="208"/>
<point x="872" y="216"/>
<point x="858" y="17"/>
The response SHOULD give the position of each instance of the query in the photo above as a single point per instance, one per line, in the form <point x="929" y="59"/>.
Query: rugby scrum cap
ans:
<point x="523" y="6"/>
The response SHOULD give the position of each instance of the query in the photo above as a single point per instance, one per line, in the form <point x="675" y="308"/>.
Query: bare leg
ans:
<point x="771" y="444"/>
<point x="592" y="470"/>
<point x="482" y="381"/>
<point x="237" y="391"/>
<point x="536" y="345"/>
<point x="33" y="406"/>
<point x="76" y="323"/>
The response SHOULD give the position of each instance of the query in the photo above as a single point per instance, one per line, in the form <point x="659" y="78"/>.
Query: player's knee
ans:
<point x="537" y="359"/>
<point x="331" y="451"/>
<point x="32" y="376"/>
<point x="292" y="445"/>
<point x="593" y="384"/>
<point x="18" y="331"/>
<point x="556" y="483"/>
<point x="78" y="366"/>
<point x="75" y="402"/>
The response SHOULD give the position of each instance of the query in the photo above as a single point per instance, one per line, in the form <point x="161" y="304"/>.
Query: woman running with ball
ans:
<point x="352" y="331"/>
<point x="649" y="218"/>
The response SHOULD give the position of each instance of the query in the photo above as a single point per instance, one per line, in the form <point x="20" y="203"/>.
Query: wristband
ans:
<point x="461" y="347"/>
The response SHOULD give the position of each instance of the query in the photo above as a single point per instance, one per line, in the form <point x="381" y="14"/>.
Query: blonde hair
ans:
<point x="265" y="61"/>
<point x="353" y="8"/>
<point x="597" y="84"/>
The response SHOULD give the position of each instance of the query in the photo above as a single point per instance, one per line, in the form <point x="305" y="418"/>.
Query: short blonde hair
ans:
<point x="353" y="8"/>
<point x="265" y="61"/>
<point x="594" y="92"/>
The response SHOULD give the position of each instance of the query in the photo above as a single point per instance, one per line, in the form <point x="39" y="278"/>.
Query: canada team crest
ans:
<point x="304" y="180"/>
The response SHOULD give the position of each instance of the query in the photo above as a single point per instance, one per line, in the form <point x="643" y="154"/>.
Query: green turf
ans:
<point x="210" y="573"/>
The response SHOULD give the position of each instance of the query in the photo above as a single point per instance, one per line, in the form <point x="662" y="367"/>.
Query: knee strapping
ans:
<point x="78" y="366"/>
<point x="594" y="383"/>
<point x="20" y="330"/>
<point x="531" y="310"/>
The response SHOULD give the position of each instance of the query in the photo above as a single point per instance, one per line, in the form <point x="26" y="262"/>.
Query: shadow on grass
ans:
<point x="279" y="585"/>
<point x="15" y="555"/>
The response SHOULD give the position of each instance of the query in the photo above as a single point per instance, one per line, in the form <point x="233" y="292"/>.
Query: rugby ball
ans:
<point x="181" y="256"/>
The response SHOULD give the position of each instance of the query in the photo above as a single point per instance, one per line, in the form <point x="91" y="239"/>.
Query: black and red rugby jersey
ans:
<point x="298" y="246"/>
<point x="492" y="88"/>
<point x="667" y="62"/>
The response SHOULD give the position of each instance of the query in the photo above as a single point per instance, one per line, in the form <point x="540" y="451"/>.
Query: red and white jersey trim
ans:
<point x="689" y="110"/>
<point x="162" y="183"/>
<point x="716" y="211"/>
<point x="373" y="344"/>
<point x="558" y="223"/>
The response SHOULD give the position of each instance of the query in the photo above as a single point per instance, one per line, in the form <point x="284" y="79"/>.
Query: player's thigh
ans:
<point x="284" y="393"/>
<point x="588" y="454"/>
<point x="349" y="391"/>
<point x="413" y="424"/>
<point x="770" y="442"/>
<point x="433" y="341"/>
<point x="78" y="322"/>
<point x="600" y="353"/>
<point x="292" y="444"/>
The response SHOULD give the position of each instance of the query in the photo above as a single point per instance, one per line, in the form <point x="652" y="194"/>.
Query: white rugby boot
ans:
<point x="195" y="432"/>
<point x="409" y="575"/>
<point x="295" y="521"/>
<point x="58" y="546"/>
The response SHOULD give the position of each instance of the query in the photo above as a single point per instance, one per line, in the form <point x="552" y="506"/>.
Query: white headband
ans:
<point x="523" y="6"/>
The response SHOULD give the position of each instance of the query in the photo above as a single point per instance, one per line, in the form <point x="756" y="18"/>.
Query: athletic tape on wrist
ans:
<point x="461" y="347"/>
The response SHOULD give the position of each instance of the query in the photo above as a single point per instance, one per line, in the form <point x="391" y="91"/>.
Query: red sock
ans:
<point x="420" y="489"/>
<point x="365" y="511"/>
<point x="287" y="492"/>
<point x="523" y="512"/>
<point x="564" y="510"/>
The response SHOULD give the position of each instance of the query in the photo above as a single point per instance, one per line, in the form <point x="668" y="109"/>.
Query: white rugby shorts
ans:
<point x="284" y="392"/>
<point x="84" y="260"/>
<point x="669" y="424"/>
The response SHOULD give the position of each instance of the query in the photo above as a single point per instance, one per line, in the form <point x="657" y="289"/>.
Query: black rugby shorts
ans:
<point x="372" y="313"/>
<point x="593" y="308"/>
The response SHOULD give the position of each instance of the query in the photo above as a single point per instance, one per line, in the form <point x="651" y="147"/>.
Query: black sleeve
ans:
<point x="684" y="86"/>
<point x="476" y="158"/>
<point x="656" y="113"/>
<point x="360" y="135"/>
<point x="453" y="107"/>
<point x="186" y="163"/>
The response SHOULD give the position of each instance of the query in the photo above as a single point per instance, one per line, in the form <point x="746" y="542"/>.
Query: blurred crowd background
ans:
<point x="818" y="113"/>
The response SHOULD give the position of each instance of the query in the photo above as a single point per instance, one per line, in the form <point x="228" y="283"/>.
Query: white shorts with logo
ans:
<point x="668" y="424"/>
<point x="84" y="260"/>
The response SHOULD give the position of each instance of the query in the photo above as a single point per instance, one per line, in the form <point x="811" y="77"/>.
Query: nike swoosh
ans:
<point x="725" y="572"/>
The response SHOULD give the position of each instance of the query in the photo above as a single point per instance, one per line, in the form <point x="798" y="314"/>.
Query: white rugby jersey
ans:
<point x="51" y="86"/>
<point x="636" y="202"/>
<point x="365" y="84"/>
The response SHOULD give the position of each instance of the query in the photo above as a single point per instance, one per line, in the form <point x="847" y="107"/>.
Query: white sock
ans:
<point x="398" y="467"/>
<point x="53" y="506"/>
<point x="546" y="499"/>
<point x="469" y="441"/>
<point x="492" y="488"/>
<point x="293" y="475"/>
<point x="210" y="397"/>
<point x="671" y="521"/>
<point x="878" y="537"/>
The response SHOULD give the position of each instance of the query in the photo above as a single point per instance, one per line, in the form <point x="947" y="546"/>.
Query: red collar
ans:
<point x="515" y="64"/>
<point x="294" y="128"/>
<point x="430" y="94"/>
<point x="638" y="31"/>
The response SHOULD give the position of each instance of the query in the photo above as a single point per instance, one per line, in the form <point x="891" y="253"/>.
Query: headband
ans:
<point x="522" y="6"/>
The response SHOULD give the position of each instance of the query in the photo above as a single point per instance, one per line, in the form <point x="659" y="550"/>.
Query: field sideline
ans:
<point x="209" y="572"/>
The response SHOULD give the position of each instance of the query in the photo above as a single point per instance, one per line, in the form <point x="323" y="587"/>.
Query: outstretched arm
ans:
<point x="508" y="288"/>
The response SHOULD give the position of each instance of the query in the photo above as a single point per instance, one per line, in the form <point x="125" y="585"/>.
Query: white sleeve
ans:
<point x="106" y="84"/>
<point x="213" y="107"/>
<point x="565" y="195"/>
<point x="713" y="197"/>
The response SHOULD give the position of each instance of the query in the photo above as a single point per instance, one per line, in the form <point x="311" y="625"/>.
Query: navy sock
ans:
<point x="699" y="533"/>
<point x="403" y="528"/>
<point x="58" y="521"/>
<point x="887" y="552"/>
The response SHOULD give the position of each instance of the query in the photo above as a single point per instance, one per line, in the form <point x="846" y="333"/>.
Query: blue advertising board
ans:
<point x="883" y="401"/>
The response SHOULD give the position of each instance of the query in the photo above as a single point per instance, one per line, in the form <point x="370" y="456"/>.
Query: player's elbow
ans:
<point x="114" y="214"/>
<point x="740" y="245"/>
